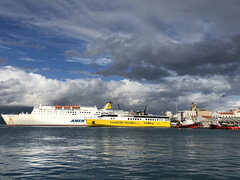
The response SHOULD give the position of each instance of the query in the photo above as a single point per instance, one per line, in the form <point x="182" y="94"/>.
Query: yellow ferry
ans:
<point x="130" y="121"/>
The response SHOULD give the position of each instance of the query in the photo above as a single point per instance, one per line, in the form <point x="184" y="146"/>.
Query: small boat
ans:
<point x="187" y="123"/>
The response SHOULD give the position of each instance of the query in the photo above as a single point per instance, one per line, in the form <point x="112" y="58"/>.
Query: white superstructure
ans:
<point x="59" y="115"/>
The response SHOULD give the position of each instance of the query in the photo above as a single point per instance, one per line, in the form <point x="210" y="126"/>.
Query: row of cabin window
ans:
<point x="148" y="119"/>
<point x="68" y="111"/>
<point x="55" y="112"/>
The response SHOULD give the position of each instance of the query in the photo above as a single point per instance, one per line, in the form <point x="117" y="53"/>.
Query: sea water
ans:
<point x="118" y="153"/>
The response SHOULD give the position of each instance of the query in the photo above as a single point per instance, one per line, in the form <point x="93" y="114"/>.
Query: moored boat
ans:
<point x="217" y="125"/>
<point x="188" y="123"/>
<point x="224" y="127"/>
<point x="59" y="115"/>
<point x="130" y="121"/>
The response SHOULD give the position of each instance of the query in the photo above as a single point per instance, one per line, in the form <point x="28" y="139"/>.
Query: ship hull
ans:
<point x="31" y="120"/>
<point x="59" y="115"/>
<point x="127" y="123"/>
<point x="225" y="127"/>
<point x="187" y="126"/>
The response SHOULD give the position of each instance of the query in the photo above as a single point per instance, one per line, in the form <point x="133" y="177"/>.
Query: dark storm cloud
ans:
<point x="146" y="40"/>
<point x="150" y="62"/>
<point x="179" y="51"/>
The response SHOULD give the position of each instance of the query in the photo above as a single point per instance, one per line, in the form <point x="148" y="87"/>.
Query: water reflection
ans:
<point x="113" y="153"/>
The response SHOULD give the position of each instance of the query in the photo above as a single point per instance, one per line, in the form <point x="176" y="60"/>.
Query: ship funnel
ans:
<point x="108" y="105"/>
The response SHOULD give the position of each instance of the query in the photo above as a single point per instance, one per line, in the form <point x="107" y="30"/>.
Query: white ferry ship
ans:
<point x="59" y="115"/>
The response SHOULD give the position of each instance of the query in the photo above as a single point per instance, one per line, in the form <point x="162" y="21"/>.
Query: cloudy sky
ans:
<point x="140" y="52"/>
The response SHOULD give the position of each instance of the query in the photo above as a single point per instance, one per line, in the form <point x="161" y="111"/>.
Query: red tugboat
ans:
<point x="187" y="123"/>
<point x="217" y="125"/>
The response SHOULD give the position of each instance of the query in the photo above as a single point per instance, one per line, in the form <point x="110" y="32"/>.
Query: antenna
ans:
<point x="119" y="106"/>
<point x="176" y="108"/>
<point x="145" y="109"/>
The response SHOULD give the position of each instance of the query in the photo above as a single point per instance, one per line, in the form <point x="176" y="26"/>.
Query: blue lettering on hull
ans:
<point x="78" y="120"/>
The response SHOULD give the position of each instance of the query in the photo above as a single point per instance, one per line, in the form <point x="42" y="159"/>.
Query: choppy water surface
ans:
<point x="118" y="153"/>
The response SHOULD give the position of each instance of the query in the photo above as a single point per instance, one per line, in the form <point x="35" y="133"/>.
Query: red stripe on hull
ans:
<point x="187" y="126"/>
<point x="225" y="127"/>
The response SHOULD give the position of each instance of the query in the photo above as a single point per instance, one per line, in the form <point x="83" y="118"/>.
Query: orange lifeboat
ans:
<point x="66" y="107"/>
<point x="76" y="107"/>
<point x="58" y="106"/>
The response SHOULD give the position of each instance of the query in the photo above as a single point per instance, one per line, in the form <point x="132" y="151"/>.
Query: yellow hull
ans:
<point x="127" y="123"/>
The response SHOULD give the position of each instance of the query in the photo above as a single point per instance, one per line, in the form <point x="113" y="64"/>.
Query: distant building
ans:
<point x="203" y="112"/>
<point x="226" y="114"/>
<point x="194" y="106"/>
<point x="200" y="111"/>
<point x="168" y="114"/>
<point x="194" y="113"/>
<point x="184" y="114"/>
<point x="236" y="112"/>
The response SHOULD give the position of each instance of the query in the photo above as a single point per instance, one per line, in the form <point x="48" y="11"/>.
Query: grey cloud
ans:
<point x="9" y="83"/>
<point x="20" y="88"/>
<point x="154" y="62"/>
<point x="21" y="43"/>
<point x="196" y="43"/>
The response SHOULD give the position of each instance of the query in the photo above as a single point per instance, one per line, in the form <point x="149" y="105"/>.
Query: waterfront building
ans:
<point x="203" y="112"/>
<point x="236" y="112"/>
<point x="184" y="114"/>
<point x="226" y="114"/>
<point x="194" y="112"/>
<point x="200" y="111"/>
